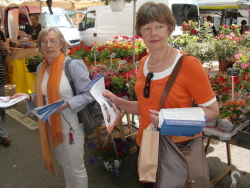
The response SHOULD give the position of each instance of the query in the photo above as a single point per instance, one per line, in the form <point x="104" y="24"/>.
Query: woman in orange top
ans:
<point x="155" y="23"/>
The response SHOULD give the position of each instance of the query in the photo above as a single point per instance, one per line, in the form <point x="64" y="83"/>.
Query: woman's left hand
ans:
<point x="154" y="116"/>
<point x="64" y="106"/>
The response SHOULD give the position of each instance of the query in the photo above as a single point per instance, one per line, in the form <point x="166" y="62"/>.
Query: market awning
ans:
<point x="222" y="4"/>
<point x="66" y="4"/>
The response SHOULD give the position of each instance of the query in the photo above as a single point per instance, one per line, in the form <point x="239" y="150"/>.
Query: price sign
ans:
<point x="122" y="61"/>
<point x="96" y="52"/>
<point x="233" y="72"/>
<point x="112" y="55"/>
<point x="225" y="43"/>
<point x="199" y="41"/>
<point x="137" y="63"/>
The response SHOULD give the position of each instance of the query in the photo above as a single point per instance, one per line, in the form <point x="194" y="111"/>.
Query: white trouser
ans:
<point x="70" y="156"/>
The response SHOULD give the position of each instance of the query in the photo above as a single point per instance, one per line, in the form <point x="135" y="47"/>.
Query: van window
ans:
<point x="57" y="20"/>
<point x="88" y="21"/>
<point x="185" y="12"/>
<point x="23" y="22"/>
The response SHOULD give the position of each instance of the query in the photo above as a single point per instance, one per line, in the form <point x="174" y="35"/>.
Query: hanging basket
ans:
<point x="109" y="167"/>
<point x="117" y="5"/>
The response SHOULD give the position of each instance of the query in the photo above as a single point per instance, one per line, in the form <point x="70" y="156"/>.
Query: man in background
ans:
<point x="209" y="19"/>
<point x="35" y="28"/>
<point x="4" y="61"/>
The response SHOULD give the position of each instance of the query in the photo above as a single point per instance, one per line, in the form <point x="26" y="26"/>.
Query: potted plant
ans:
<point x="231" y="114"/>
<point x="117" y="85"/>
<point x="112" y="154"/>
<point x="79" y="52"/>
<point x="33" y="61"/>
<point x="131" y="89"/>
<point x="242" y="61"/>
<point x="116" y="5"/>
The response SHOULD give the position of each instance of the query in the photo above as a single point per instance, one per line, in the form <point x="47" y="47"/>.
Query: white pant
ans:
<point x="70" y="156"/>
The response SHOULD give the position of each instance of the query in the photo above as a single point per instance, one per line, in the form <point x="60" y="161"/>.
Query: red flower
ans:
<point x="100" y="148"/>
<point x="107" y="148"/>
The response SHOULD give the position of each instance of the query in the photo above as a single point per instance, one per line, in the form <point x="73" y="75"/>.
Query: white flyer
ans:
<point x="111" y="113"/>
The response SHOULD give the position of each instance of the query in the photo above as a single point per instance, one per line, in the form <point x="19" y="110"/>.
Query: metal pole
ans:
<point x="134" y="11"/>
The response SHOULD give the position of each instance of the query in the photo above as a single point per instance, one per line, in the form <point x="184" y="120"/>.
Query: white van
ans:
<point x="101" y="24"/>
<point x="59" y="19"/>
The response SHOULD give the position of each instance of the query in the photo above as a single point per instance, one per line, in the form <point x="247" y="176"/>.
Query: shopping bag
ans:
<point x="148" y="156"/>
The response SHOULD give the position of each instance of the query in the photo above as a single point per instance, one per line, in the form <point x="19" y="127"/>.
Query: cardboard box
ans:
<point x="21" y="53"/>
<point x="10" y="89"/>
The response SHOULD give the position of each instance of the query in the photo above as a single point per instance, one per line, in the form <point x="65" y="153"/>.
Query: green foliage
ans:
<point x="233" y="111"/>
<point x="34" y="60"/>
<point x="117" y="84"/>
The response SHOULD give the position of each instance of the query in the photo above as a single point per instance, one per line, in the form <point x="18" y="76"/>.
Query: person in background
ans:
<point x="35" y="28"/>
<point x="243" y="27"/>
<point x="209" y="19"/>
<point x="155" y="23"/>
<point x="64" y="130"/>
<point x="4" y="62"/>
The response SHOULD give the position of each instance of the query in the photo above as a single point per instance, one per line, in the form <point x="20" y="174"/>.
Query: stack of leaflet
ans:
<point x="44" y="112"/>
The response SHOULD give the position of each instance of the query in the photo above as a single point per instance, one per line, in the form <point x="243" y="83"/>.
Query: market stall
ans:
<point x="17" y="72"/>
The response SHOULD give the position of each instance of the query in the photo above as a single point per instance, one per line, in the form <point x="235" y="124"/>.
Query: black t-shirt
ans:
<point x="34" y="31"/>
<point x="2" y="56"/>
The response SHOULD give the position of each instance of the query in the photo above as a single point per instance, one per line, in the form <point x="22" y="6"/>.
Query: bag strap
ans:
<point x="166" y="90"/>
<point x="71" y="83"/>
<point x="191" y="181"/>
<point x="171" y="80"/>
<point x="68" y="75"/>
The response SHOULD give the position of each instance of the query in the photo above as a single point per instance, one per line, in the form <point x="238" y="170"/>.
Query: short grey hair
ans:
<point x="60" y="36"/>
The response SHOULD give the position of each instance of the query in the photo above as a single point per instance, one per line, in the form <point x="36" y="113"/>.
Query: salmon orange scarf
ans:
<point x="55" y="119"/>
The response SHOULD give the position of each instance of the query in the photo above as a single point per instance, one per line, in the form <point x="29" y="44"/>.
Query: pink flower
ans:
<point x="245" y="65"/>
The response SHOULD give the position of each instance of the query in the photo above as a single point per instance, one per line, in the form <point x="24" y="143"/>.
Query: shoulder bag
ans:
<point x="180" y="164"/>
<point x="91" y="116"/>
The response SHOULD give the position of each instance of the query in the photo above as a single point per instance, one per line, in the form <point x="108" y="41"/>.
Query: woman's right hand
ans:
<point x="111" y="96"/>
<point x="27" y="96"/>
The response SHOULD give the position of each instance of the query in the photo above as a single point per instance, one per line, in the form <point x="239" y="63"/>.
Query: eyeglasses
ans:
<point x="147" y="85"/>
<point x="44" y="43"/>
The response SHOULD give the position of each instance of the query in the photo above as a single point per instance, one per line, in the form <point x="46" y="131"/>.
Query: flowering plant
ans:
<point x="191" y="27"/>
<point x="115" y="76"/>
<point x="131" y="89"/>
<point x="233" y="111"/>
<point x="79" y="52"/>
<point x="222" y="86"/>
<point x="204" y="51"/>
<point x="34" y="60"/>
<point x="115" y="150"/>
<point x="242" y="61"/>
<point x="227" y="30"/>
<point x="225" y="49"/>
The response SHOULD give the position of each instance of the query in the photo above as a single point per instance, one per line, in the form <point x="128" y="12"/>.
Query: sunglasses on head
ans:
<point x="147" y="85"/>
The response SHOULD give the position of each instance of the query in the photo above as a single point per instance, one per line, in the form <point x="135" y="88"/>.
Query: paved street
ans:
<point x="22" y="167"/>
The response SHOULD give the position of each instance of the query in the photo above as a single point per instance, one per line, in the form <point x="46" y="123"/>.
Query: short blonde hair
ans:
<point x="150" y="11"/>
<point x="61" y="38"/>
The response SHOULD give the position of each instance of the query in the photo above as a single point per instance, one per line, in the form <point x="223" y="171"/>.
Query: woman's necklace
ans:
<point x="153" y="66"/>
